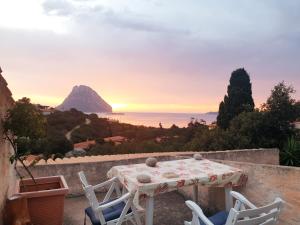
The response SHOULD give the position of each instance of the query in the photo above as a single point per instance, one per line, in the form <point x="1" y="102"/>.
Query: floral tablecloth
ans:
<point x="187" y="171"/>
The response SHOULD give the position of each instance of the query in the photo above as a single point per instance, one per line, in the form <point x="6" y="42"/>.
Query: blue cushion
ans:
<point x="110" y="213"/>
<point x="218" y="219"/>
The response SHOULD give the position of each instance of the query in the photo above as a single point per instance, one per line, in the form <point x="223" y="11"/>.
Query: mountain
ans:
<point x="85" y="99"/>
<point x="212" y="113"/>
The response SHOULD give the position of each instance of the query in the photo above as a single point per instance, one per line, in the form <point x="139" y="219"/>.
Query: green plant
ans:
<point x="290" y="154"/>
<point x="23" y="126"/>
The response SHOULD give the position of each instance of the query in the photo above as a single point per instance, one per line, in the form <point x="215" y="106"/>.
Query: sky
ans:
<point x="148" y="55"/>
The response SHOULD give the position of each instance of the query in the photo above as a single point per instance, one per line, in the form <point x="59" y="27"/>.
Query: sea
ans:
<point x="154" y="119"/>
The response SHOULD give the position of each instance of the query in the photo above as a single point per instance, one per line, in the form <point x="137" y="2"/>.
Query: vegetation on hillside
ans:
<point x="239" y="126"/>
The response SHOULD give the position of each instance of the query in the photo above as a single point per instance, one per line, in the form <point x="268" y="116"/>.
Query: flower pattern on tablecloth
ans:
<point x="188" y="171"/>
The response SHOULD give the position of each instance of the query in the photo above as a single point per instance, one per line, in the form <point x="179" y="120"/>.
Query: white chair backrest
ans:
<point x="265" y="215"/>
<point x="83" y="179"/>
<point x="91" y="196"/>
<point x="93" y="201"/>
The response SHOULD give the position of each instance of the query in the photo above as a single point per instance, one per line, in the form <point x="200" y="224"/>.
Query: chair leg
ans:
<point x="136" y="215"/>
<point x="137" y="218"/>
<point x="132" y="221"/>
<point x="84" y="218"/>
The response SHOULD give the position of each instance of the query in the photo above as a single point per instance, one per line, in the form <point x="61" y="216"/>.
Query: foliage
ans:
<point x="290" y="154"/>
<point x="297" y="110"/>
<point x="24" y="121"/>
<point x="280" y="110"/>
<point x="251" y="130"/>
<point x="58" y="144"/>
<point x="270" y="126"/>
<point x="65" y="121"/>
<point x="91" y="131"/>
<point x="24" y="127"/>
<point x="238" y="99"/>
<point x="215" y="139"/>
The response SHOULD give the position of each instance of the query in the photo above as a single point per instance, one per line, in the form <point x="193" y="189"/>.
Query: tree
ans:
<point x="249" y="130"/>
<point x="24" y="125"/>
<point x="297" y="110"/>
<point x="281" y="111"/>
<point x="238" y="99"/>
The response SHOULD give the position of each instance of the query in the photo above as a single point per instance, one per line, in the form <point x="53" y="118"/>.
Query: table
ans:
<point x="171" y="175"/>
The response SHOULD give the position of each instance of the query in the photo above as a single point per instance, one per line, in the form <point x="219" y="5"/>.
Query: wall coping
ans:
<point x="107" y="158"/>
<point x="269" y="166"/>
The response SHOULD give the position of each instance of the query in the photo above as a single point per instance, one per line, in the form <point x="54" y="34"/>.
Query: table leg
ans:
<point x="149" y="210"/>
<point x="228" y="199"/>
<point x="195" y="193"/>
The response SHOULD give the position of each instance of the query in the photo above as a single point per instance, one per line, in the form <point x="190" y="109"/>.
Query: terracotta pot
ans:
<point x="16" y="211"/>
<point x="45" y="199"/>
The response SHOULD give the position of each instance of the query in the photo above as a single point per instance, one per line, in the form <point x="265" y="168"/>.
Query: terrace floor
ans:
<point x="170" y="209"/>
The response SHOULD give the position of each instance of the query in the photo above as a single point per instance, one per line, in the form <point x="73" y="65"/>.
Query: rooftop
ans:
<point x="265" y="178"/>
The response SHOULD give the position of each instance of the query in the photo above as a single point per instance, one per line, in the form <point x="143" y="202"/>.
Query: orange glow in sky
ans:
<point x="150" y="56"/>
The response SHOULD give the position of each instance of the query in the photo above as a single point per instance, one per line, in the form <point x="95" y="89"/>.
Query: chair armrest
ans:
<point x="198" y="212"/>
<point x="114" y="202"/>
<point x="242" y="199"/>
<point x="105" y="183"/>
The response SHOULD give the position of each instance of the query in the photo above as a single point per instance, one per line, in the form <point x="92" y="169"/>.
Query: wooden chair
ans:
<point x="243" y="213"/>
<point x="110" y="211"/>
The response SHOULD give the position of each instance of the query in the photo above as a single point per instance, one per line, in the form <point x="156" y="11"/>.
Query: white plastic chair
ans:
<point x="113" y="182"/>
<point x="109" y="211"/>
<point x="243" y="213"/>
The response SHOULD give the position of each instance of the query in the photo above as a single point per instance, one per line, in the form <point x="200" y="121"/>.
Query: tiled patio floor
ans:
<point x="170" y="209"/>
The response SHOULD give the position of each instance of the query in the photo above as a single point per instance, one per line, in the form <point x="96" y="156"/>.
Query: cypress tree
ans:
<point x="238" y="99"/>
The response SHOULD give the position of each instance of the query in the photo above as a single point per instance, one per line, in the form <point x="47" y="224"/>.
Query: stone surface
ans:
<point x="170" y="209"/>
<point x="198" y="156"/>
<point x="151" y="162"/>
<point x="261" y="156"/>
<point x="7" y="178"/>
<point x="143" y="178"/>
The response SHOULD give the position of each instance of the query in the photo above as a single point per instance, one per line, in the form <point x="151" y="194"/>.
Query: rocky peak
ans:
<point x="85" y="99"/>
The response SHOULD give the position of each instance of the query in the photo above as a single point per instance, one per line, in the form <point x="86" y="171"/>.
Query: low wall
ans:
<point x="260" y="156"/>
<point x="265" y="183"/>
<point x="96" y="167"/>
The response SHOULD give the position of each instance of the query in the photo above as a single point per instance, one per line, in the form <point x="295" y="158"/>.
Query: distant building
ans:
<point x="297" y="125"/>
<point x="116" y="139"/>
<point x="84" y="144"/>
<point x="46" y="110"/>
<point x="213" y="125"/>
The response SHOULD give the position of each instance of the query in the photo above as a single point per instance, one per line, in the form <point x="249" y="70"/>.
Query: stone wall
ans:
<point x="262" y="156"/>
<point x="7" y="177"/>
<point x="96" y="167"/>
<point x="265" y="183"/>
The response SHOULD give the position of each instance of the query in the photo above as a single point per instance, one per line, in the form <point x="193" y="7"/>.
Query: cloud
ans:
<point x="58" y="7"/>
<point x="188" y="49"/>
<point x="131" y="21"/>
<point x="98" y="13"/>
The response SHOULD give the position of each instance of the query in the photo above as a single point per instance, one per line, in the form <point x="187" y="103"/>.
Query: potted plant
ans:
<point x="25" y="128"/>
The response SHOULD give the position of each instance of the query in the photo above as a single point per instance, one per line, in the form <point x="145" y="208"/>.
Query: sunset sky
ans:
<point x="148" y="55"/>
